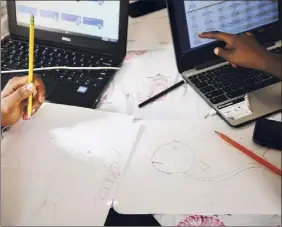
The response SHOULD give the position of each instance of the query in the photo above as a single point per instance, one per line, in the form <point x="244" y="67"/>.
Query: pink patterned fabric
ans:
<point x="199" y="220"/>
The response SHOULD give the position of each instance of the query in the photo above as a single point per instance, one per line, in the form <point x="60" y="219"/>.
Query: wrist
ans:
<point x="267" y="61"/>
<point x="273" y="64"/>
<point x="4" y="117"/>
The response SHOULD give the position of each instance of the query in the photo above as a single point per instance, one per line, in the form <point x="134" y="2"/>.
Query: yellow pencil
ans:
<point x="30" y="63"/>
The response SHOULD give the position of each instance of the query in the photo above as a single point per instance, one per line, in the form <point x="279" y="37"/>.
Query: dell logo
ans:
<point x="67" y="39"/>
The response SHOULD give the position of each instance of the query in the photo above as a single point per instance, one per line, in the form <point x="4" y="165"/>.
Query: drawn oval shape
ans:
<point x="174" y="157"/>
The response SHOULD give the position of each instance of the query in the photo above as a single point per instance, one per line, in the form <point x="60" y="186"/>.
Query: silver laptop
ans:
<point x="239" y="95"/>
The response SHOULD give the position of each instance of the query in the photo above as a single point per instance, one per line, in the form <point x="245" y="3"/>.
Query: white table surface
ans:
<point x="128" y="89"/>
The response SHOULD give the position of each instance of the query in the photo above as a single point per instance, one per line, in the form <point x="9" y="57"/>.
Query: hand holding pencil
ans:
<point x="14" y="99"/>
<point x="19" y="93"/>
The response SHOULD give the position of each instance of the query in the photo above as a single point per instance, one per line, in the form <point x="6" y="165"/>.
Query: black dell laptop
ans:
<point x="67" y="33"/>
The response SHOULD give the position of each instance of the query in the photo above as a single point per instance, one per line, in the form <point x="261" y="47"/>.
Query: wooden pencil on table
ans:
<point x="249" y="153"/>
<point x="30" y="63"/>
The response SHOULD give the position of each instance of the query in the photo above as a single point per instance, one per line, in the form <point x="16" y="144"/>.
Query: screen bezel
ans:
<point x="117" y="49"/>
<point x="201" y="55"/>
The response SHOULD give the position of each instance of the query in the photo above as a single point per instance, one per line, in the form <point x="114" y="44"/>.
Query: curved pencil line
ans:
<point x="236" y="172"/>
<point x="166" y="144"/>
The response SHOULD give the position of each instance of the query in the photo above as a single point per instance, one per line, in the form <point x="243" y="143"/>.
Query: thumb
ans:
<point x="223" y="53"/>
<point x="21" y="93"/>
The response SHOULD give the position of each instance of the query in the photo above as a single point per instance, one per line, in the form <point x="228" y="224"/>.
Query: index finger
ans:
<point x="221" y="36"/>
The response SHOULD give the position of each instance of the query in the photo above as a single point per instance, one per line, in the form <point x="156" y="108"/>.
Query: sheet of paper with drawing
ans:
<point x="63" y="166"/>
<point x="185" y="168"/>
<point x="146" y="75"/>
<point x="157" y="71"/>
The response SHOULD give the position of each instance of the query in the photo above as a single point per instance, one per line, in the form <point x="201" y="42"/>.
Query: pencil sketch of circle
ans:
<point x="174" y="157"/>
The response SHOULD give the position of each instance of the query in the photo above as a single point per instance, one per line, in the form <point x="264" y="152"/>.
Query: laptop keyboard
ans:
<point x="226" y="82"/>
<point x="14" y="55"/>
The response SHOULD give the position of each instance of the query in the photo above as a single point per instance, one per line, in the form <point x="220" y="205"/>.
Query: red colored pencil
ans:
<point x="250" y="153"/>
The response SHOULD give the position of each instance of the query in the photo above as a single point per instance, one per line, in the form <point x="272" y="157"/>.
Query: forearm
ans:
<point x="274" y="65"/>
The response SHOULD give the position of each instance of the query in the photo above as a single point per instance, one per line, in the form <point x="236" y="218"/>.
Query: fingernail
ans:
<point x="216" y="51"/>
<point x="33" y="111"/>
<point x="30" y="87"/>
<point x="200" y="33"/>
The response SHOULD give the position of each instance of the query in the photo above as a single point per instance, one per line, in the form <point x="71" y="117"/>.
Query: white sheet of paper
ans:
<point x="146" y="45"/>
<point x="147" y="75"/>
<point x="149" y="32"/>
<point x="63" y="166"/>
<point x="4" y="26"/>
<point x="185" y="168"/>
<point x="152" y="28"/>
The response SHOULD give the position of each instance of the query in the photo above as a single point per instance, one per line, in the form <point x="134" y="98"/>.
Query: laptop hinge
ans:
<point x="209" y="64"/>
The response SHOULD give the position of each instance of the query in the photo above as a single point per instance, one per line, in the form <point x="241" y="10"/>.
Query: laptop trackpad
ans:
<point x="270" y="96"/>
<point x="73" y="94"/>
<point x="49" y="86"/>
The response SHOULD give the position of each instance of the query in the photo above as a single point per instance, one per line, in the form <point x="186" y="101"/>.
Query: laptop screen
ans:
<point x="194" y="17"/>
<point x="92" y="18"/>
